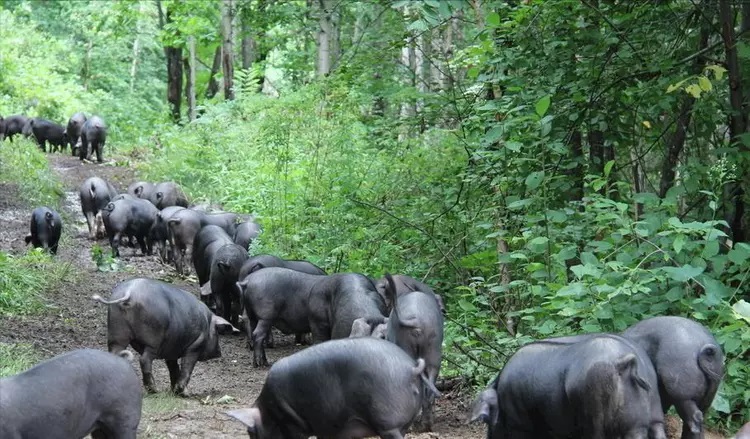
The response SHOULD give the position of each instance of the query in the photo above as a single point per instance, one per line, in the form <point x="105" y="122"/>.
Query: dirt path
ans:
<point x="74" y="321"/>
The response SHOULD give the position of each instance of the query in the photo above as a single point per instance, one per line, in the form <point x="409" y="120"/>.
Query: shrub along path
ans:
<point x="72" y="320"/>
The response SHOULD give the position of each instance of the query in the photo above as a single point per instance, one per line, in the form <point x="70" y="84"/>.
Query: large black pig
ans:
<point x="93" y="137"/>
<point x="129" y="217"/>
<point x="416" y="326"/>
<point x="689" y="364"/>
<point x="350" y="388"/>
<point x="73" y="132"/>
<point x="46" y="226"/>
<point x="95" y="193"/>
<point x="593" y="387"/>
<point x="161" y="321"/>
<point x="45" y="131"/>
<point x="12" y="125"/>
<point x="71" y="395"/>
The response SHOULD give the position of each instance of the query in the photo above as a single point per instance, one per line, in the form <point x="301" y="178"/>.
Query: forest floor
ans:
<point x="72" y="320"/>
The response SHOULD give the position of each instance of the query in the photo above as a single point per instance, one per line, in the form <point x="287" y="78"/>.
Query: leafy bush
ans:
<point x="316" y="178"/>
<point x="595" y="268"/>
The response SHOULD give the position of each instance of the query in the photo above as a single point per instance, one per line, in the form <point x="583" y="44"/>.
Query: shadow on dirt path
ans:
<point x="72" y="320"/>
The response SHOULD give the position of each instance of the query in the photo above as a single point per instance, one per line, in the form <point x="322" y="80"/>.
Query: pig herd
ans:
<point x="376" y="344"/>
<point x="85" y="135"/>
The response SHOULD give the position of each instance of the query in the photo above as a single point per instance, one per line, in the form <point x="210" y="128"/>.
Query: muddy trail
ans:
<point x="72" y="320"/>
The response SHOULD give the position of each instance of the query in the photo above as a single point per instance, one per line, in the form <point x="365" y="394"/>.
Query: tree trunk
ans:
<point x="639" y="180"/>
<point x="174" y="80"/>
<point x="227" y="50"/>
<point x="420" y="73"/>
<point x="335" y="42"/>
<point x="576" y="173"/>
<point x="136" y="48"/>
<point x="324" y="37"/>
<point x="190" y="88"/>
<point x="436" y="61"/>
<point x="213" y="84"/>
<point x="174" y="68"/>
<point x="248" y="42"/>
<point x="596" y="152"/>
<point x="737" y="118"/>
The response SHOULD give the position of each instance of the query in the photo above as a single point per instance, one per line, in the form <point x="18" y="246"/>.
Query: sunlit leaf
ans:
<point x="684" y="273"/>
<point x="542" y="105"/>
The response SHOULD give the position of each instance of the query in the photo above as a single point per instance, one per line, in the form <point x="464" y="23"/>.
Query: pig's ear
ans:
<point x="27" y="239"/>
<point x="381" y="330"/>
<point x="360" y="328"/>
<point x="220" y="323"/>
<point x="249" y="417"/>
<point x="206" y="289"/>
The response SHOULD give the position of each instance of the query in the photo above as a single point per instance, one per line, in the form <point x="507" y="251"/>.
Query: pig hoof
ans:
<point x="420" y="427"/>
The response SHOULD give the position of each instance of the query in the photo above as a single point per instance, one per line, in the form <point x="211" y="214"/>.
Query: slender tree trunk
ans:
<point x="437" y="57"/>
<point x="420" y="73"/>
<point x="596" y="152"/>
<point x="248" y="42"/>
<point x="639" y="180"/>
<point x="136" y="47"/>
<point x="174" y="68"/>
<point x="174" y="80"/>
<point x="86" y="70"/>
<point x="190" y="89"/>
<point x="324" y="37"/>
<point x="227" y="49"/>
<point x="213" y="84"/>
<point x="576" y="173"/>
<point x="335" y="36"/>
<point x="359" y="23"/>
<point x="737" y="119"/>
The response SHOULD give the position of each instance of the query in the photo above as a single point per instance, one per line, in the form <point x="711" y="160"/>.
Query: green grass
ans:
<point x="164" y="402"/>
<point x="22" y="163"/>
<point x="23" y="278"/>
<point x="15" y="358"/>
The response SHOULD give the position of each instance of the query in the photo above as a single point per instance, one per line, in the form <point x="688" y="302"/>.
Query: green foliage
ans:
<point x="103" y="259"/>
<point x="22" y="163"/>
<point x="24" y="278"/>
<point x="59" y="58"/>
<point x="15" y="358"/>
<point x="310" y="170"/>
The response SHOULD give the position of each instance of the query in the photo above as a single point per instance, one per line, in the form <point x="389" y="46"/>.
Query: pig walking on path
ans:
<point x="600" y="387"/>
<point x="689" y="363"/>
<point x="69" y="396"/>
<point x="161" y="321"/>
<point x="416" y="326"/>
<point x="348" y="388"/>
<point x="95" y="194"/>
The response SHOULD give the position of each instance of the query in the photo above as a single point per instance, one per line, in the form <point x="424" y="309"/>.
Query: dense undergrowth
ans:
<point x="327" y="188"/>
